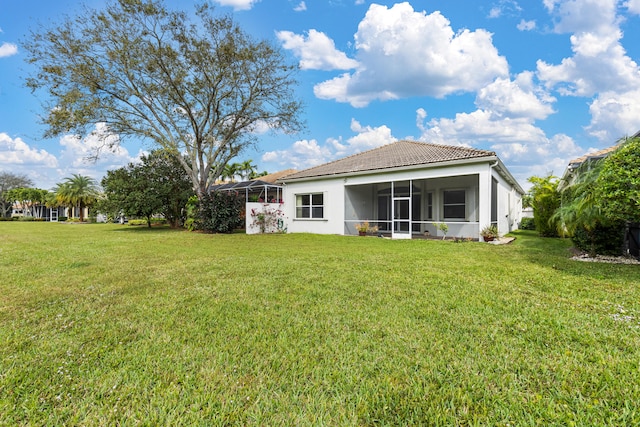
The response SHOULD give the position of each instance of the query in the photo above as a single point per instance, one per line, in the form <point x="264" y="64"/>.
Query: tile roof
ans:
<point x="601" y="153"/>
<point x="396" y="155"/>
<point x="594" y="155"/>
<point x="275" y="176"/>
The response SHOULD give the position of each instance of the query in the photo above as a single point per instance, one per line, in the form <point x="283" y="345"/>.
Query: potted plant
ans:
<point x="365" y="228"/>
<point x="490" y="233"/>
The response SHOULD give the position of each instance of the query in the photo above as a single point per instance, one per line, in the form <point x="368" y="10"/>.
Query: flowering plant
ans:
<point x="269" y="220"/>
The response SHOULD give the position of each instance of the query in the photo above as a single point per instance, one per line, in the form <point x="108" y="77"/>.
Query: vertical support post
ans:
<point x="484" y="198"/>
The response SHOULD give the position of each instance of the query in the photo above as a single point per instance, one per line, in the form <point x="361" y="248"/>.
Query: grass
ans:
<point x="114" y="325"/>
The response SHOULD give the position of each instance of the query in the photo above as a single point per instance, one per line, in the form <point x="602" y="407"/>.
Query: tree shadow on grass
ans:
<point x="145" y="229"/>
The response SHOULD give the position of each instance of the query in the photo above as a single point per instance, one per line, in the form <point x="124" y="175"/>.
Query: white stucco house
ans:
<point x="404" y="188"/>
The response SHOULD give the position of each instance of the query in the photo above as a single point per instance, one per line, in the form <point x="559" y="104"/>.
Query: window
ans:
<point x="429" y="213"/>
<point x="310" y="205"/>
<point x="454" y="206"/>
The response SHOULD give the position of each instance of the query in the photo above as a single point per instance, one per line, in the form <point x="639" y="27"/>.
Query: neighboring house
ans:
<point x="41" y="211"/>
<point x="570" y="173"/>
<point x="404" y="188"/>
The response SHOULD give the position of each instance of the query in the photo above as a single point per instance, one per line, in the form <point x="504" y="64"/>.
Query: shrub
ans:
<point x="154" y="221"/>
<point x="527" y="224"/>
<point x="4" y="218"/>
<point x="545" y="200"/>
<point x="26" y="218"/>
<point x="220" y="212"/>
<point x="62" y="218"/>
<point x="602" y="240"/>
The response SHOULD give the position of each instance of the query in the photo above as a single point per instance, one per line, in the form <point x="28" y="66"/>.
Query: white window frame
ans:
<point x="465" y="204"/>
<point x="311" y="207"/>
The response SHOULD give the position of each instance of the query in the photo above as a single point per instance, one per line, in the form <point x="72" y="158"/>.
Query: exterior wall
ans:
<point x="334" y="208"/>
<point x="353" y="199"/>
<point x="274" y="221"/>
<point x="509" y="206"/>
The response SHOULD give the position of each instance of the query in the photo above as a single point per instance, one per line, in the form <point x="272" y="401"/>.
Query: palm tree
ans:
<point x="229" y="172"/>
<point x="580" y="207"/>
<point x="77" y="191"/>
<point x="246" y="169"/>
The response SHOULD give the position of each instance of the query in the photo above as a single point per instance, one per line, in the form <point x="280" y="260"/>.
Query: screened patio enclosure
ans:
<point x="413" y="208"/>
<point x="253" y="191"/>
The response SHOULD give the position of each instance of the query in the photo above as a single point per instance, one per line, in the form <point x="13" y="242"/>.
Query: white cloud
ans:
<point x="481" y="126"/>
<point x="505" y="7"/>
<point x="316" y="52"/>
<point x="359" y="2"/>
<point x="8" y="49"/>
<point x="308" y="153"/>
<point x="633" y="6"/>
<point x="574" y="16"/>
<point x="100" y="150"/>
<point x="368" y="137"/>
<point x="302" y="6"/>
<point x="237" y="4"/>
<point x="526" y="25"/>
<point x="403" y="53"/>
<point x="599" y="68"/>
<point x="615" y="115"/>
<point x="46" y="169"/>
<point x="16" y="156"/>
<point x="302" y="154"/>
<point x="17" y="153"/>
<point x="515" y="99"/>
<point x="505" y="121"/>
<point x="495" y="12"/>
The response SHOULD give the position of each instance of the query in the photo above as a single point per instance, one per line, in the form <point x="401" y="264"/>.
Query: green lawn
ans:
<point x="115" y="325"/>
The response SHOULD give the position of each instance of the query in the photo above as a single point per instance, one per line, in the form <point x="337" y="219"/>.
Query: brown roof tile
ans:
<point x="595" y="154"/>
<point x="275" y="176"/>
<point x="396" y="155"/>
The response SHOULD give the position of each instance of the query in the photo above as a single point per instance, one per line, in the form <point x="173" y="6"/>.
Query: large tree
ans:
<point x="193" y="84"/>
<point x="10" y="181"/>
<point x="157" y="185"/>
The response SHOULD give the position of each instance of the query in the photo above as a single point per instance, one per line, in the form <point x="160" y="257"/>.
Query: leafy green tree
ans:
<point x="581" y="216"/>
<point x="31" y="200"/>
<point x="157" y="185"/>
<point x="545" y="200"/>
<point x="129" y="190"/>
<point x="618" y="185"/>
<point x="77" y="191"/>
<point x="199" y="86"/>
<point x="10" y="181"/>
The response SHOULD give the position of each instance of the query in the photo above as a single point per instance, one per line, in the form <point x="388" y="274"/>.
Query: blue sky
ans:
<point x="539" y="82"/>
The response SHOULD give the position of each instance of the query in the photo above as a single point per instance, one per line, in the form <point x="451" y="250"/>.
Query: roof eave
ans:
<point x="504" y="172"/>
